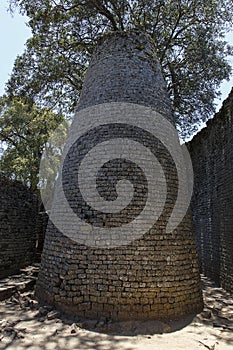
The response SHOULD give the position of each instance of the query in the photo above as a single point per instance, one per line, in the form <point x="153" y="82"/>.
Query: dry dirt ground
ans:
<point x="25" y="325"/>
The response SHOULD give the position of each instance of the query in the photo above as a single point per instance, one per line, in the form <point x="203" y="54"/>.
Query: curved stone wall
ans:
<point x="18" y="211"/>
<point x="156" y="275"/>
<point x="212" y="203"/>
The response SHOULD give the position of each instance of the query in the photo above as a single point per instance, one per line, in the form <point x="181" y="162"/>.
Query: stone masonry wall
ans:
<point x="154" y="276"/>
<point x="18" y="210"/>
<point x="212" y="204"/>
<point x="41" y="224"/>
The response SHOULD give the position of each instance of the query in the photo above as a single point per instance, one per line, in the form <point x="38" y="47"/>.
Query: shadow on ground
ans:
<point x="25" y="325"/>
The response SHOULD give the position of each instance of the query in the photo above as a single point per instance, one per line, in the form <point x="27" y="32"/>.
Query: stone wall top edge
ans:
<point x="124" y="34"/>
<point x="218" y="118"/>
<point x="14" y="183"/>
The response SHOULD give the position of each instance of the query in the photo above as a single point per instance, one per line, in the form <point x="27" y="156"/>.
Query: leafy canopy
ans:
<point x="24" y="131"/>
<point x="188" y="34"/>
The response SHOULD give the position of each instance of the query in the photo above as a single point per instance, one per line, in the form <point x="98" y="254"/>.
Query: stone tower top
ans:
<point x="124" y="68"/>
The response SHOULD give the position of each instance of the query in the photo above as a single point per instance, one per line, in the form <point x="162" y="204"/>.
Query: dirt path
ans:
<point x="23" y="325"/>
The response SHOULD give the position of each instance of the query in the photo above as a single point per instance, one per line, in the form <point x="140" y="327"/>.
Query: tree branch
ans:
<point x="104" y="11"/>
<point x="6" y="138"/>
<point x="118" y="13"/>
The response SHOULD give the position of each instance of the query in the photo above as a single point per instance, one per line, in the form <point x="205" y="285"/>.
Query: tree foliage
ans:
<point x="24" y="131"/>
<point x="188" y="35"/>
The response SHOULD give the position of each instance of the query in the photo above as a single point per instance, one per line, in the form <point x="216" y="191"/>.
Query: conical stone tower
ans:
<point x="121" y="274"/>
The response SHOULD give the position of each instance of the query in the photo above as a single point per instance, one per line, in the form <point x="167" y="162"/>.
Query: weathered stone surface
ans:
<point x="18" y="211"/>
<point x="155" y="276"/>
<point x="22" y="282"/>
<point x="53" y="314"/>
<point x="41" y="224"/>
<point x="212" y="204"/>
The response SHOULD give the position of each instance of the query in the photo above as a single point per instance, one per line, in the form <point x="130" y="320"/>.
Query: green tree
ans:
<point x="188" y="35"/>
<point x="24" y="131"/>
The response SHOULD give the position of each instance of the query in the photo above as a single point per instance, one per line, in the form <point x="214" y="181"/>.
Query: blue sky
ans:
<point x="14" y="33"/>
